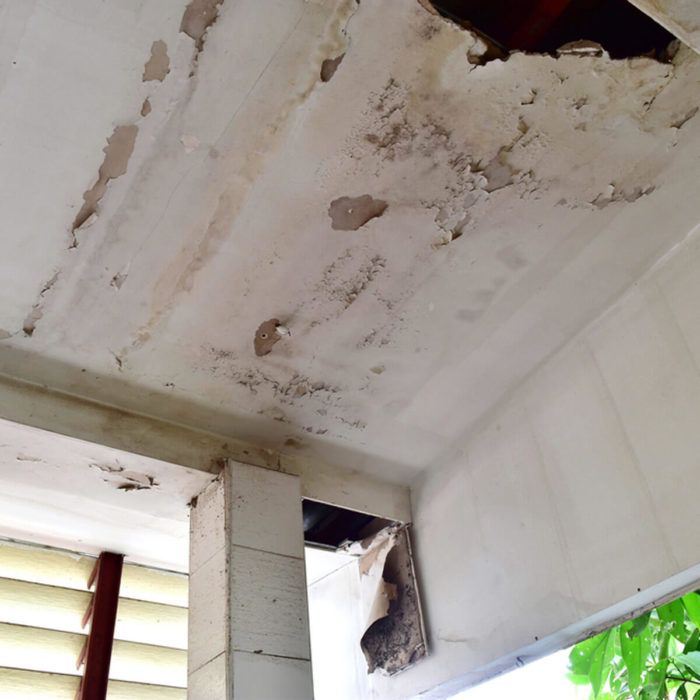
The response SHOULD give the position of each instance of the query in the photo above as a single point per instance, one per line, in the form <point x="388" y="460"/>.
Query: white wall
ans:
<point x="578" y="491"/>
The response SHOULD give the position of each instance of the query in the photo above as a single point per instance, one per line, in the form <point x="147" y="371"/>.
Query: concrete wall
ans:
<point x="577" y="493"/>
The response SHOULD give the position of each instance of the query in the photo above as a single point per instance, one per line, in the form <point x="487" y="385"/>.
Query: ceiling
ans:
<point x="516" y="200"/>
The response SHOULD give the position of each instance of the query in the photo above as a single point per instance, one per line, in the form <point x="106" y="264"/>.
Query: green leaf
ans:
<point x="682" y="693"/>
<point x="693" y="643"/>
<point x="691" y="660"/>
<point x="674" y="615"/>
<point x="655" y="688"/>
<point x="639" y="624"/>
<point x="577" y="679"/>
<point x="692" y="607"/>
<point x="581" y="655"/>
<point x="592" y="658"/>
<point x="697" y="695"/>
<point x="634" y="654"/>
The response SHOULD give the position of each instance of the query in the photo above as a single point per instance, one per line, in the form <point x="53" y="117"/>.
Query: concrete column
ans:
<point x="248" y="618"/>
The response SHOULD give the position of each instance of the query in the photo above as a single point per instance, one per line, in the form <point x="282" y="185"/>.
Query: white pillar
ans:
<point x="248" y="618"/>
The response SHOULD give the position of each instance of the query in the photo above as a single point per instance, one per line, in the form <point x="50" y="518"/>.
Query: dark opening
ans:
<point x="543" y="26"/>
<point x="330" y="526"/>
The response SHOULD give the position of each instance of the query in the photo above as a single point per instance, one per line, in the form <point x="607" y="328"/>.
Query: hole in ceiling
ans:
<point x="330" y="526"/>
<point x="542" y="26"/>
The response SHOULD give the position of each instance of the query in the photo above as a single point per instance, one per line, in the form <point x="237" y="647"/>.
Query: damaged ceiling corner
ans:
<point x="394" y="637"/>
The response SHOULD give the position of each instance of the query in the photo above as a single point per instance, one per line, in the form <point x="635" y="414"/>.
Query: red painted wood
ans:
<point x="98" y="655"/>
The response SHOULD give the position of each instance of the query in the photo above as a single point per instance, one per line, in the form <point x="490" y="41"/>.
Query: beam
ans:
<point x="106" y="576"/>
<point x="39" y="407"/>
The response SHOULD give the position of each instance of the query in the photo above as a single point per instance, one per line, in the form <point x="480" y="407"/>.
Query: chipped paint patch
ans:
<point x="125" y="479"/>
<point x="351" y="213"/>
<point x="158" y="65"/>
<point x="37" y="312"/>
<point x="198" y="17"/>
<point x="267" y="335"/>
<point x="120" y="146"/>
<point x="330" y="66"/>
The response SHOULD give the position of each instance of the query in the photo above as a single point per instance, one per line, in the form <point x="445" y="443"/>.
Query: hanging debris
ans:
<point x="394" y="637"/>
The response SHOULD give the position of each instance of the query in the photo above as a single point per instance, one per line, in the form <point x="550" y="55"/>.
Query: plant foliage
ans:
<point x="653" y="657"/>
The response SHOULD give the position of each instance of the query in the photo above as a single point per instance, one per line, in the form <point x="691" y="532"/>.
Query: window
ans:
<point x="43" y="598"/>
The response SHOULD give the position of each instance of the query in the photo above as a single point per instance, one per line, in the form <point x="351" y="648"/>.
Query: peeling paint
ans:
<point x="685" y="118"/>
<point x="330" y="66"/>
<point x="37" y="311"/>
<point x="614" y="194"/>
<point x="198" y="17"/>
<point x="125" y="479"/>
<point x="118" y="150"/>
<point x="118" y="280"/>
<point x="28" y="458"/>
<point x="158" y="65"/>
<point x="118" y="360"/>
<point x="267" y="335"/>
<point x="146" y="108"/>
<point x="109" y="468"/>
<point x="351" y="213"/>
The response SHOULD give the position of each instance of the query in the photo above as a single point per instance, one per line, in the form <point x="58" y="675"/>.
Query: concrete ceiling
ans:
<point x="522" y="197"/>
